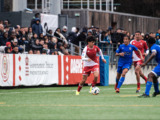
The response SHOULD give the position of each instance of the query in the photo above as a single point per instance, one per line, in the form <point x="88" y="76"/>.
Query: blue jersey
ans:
<point x="127" y="50"/>
<point x="156" y="48"/>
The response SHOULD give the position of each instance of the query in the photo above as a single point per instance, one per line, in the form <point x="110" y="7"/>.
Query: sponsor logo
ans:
<point x="76" y="66"/>
<point x="5" y="67"/>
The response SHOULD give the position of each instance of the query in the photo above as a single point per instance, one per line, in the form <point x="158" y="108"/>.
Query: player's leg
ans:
<point x="137" y="73"/>
<point x="119" y="72"/>
<point x="156" y="72"/>
<point x="81" y="84"/>
<point x="122" y="79"/>
<point x="117" y="80"/>
<point x="143" y="76"/>
<point x="156" y="86"/>
<point x="152" y="77"/>
<point x="148" y="85"/>
<point x="96" y="74"/>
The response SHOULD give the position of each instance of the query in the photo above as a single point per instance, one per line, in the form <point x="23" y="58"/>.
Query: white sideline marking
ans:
<point x="60" y="91"/>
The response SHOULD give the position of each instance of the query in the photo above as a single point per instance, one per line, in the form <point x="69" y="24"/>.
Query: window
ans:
<point x="31" y="4"/>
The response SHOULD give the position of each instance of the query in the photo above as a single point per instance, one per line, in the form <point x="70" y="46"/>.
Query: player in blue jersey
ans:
<point x="155" y="73"/>
<point x="125" y="61"/>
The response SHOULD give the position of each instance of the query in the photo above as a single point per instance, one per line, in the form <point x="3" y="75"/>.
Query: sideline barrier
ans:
<point x="104" y="72"/>
<point x="34" y="70"/>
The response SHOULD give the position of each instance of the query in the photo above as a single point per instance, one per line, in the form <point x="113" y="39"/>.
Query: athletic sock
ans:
<point x="145" y="78"/>
<point x="94" y="83"/>
<point x="79" y="88"/>
<point x="156" y="87"/>
<point x="148" y="87"/>
<point x="121" y="82"/>
<point x="138" y="85"/>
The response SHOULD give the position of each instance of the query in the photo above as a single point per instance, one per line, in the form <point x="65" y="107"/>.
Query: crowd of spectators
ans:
<point x="32" y="39"/>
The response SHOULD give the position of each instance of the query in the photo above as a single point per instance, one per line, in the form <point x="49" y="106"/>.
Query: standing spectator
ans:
<point x="37" y="27"/>
<point x="64" y="31"/>
<point x="33" y="20"/>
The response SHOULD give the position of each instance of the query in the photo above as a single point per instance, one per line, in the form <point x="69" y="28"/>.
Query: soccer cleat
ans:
<point x="117" y="90"/>
<point x="77" y="93"/>
<point x="143" y="96"/>
<point x="155" y="94"/>
<point x="138" y="90"/>
<point x="115" y="87"/>
<point x="90" y="89"/>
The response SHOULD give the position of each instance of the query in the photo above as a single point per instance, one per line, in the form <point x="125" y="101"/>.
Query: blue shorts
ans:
<point x="123" y="66"/>
<point x="156" y="70"/>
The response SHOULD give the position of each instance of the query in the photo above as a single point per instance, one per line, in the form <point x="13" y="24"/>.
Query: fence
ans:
<point x="110" y="50"/>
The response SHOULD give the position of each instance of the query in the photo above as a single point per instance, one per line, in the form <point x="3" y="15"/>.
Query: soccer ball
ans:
<point x="95" y="91"/>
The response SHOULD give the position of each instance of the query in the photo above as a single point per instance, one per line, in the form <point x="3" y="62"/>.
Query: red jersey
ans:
<point x="90" y="53"/>
<point x="142" y="46"/>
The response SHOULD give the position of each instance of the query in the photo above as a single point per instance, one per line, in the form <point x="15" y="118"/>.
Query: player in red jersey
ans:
<point x="142" y="46"/>
<point x="90" y="62"/>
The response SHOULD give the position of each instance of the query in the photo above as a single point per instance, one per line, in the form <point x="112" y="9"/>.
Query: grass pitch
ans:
<point x="62" y="103"/>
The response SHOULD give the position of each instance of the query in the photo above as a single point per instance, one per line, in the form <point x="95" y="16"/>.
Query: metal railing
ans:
<point x="110" y="50"/>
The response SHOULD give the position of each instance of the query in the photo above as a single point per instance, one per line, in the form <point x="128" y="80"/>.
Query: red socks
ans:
<point x="79" y="88"/>
<point x="138" y="85"/>
<point x="94" y="83"/>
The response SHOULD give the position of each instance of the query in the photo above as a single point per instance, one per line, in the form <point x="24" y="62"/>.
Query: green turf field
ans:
<point x="62" y="103"/>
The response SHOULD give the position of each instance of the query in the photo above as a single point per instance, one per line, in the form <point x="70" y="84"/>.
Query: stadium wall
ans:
<point x="105" y="19"/>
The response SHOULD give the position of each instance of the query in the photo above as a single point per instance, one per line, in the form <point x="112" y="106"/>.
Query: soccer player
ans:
<point x="155" y="73"/>
<point x="125" y="52"/>
<point x="90" y="62"/>
<point x="142" y="46"/>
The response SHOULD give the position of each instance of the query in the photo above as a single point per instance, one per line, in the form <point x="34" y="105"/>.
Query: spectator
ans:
<point x="4" y="39"/>
<point x="8" y="44"/>
<point x="59" y="36"/>
<point x="7" y="50"/>
<point x="36" y="46"/>
<point x="37" y="27"/>
<point x="30" y="51"/>
<point x="64" y="31"/>
<point x="30" y="34"/>
<point x="34" y="18"/>
<point x="15" y="50"/>
<point x="1" y="29"/>
<point x="72" y="35"/>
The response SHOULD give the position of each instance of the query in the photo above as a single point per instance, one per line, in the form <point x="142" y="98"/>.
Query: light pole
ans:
<point x="112" y="5"/>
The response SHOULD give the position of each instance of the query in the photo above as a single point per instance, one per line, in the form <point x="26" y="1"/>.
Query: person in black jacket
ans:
<point x="4" y="39"/>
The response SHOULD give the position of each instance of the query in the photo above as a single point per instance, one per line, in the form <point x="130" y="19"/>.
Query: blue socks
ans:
<point x="121" y="82"/>
<point x="156" y="87"/>
<point x="148" y="87"/>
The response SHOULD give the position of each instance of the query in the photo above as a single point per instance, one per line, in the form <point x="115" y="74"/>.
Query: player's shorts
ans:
<point x="123" y="66"/>
<point x="156" y="70"/>
<point x="139" y="62"/>
<point x="88" y="69"/>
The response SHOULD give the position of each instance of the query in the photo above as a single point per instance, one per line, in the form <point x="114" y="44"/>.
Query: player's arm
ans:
<point x="118" y="52"/>
<point x="101" y="54"/>
<point x="84" y="58"/>
<point x="140" y="55"/>
<point x="154" y="52"/>
<point x="146" y="48"/>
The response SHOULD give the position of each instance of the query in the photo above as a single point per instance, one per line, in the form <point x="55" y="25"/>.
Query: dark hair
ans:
<point x="127" y="37"/>
<point x="138" y="32"/>
<point x="90" y="39"/>
<point x="151" y="40"/>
